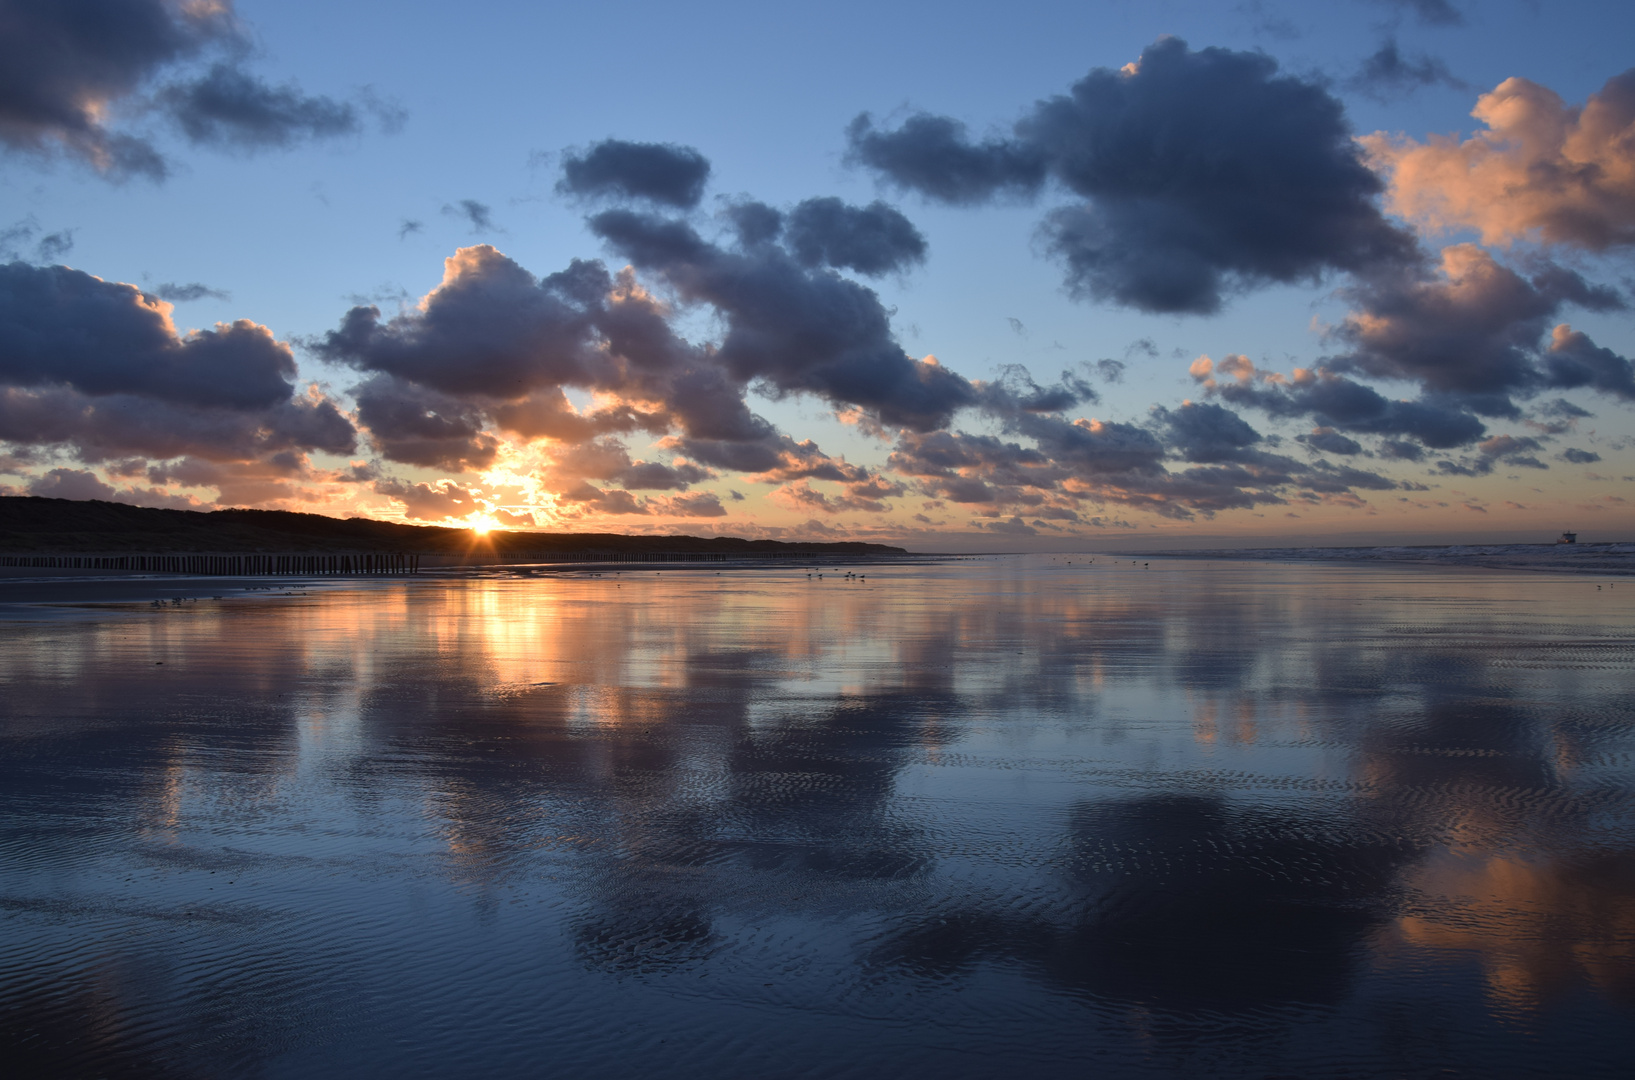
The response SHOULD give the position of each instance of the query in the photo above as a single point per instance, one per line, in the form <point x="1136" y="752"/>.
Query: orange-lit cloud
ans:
<point x="1543" y="169"/>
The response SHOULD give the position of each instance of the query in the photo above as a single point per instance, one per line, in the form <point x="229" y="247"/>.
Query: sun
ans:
<point x="482" y="524"/>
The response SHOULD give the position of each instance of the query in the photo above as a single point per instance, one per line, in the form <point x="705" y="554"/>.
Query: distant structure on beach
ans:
<point x="1568" y="538"/>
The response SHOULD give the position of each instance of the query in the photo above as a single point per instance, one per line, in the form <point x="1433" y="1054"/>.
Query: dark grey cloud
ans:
<point x="67" y="65"/>
<point x="1112" y="371"/>
<point x="53" y="246"/>
<point x="1330" y="441"/>
<point x="82" y="484"/>
<point x="1206" y="433"/>
<point x="606" y="460"/>
<point x="417" y="425"/>
<point x="1512" y="450"/>
<point x="60" y="326"/>
<point x="193" y="290"/>
<point x="1332" y="400"/>
<point x="495" y="346"/>
<point x="1574" y="360"/>
<point x="79" y="484"/>
<point x="490" y="328"/>
<point x="1016" y="391"/>
<point x="791" y="328"/>
<point x="658" y="172"/>
<point x="1474" y="330"/>
<point x="62" y="63"/>
<point x="1202" y="173"/>
<point x="480" y="216"/>
<point x="228" y="107"/>
<point x="1388" y="73"/>
<point x="409" y="226"/>
<point x="1072" y="463"/>
<point x="874" y="239"/>
<point x="18" y="243"/>
<point x="1576" y="456"/>
<point x="1400" y="450"/>
<point x="775" y="457"/>
<point x="97" y="370"/>
<point x="116" y="426"/>
<point x="934" y="156"/>
<point x="754" y="223"/>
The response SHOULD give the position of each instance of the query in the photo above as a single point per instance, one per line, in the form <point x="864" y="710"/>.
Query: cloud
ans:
<point x="695" y="504"/>
<point x="82" y="484"/>
<point x="1330" y="441"/>
<point x="1200" y="174"/>
<point x="604" y="459"/>
<point x="489" y="327"/>
<point x="181" y="294"/>
<point x="418" y="425"/>
<point x="1542" y="170"/>
<point x="1574" y="360"/>
<point x="933" y="155"/>
<point x="874" y="239"/>
<point x="1387" y="73"/>
<point x="68" y="69"/>
<point x="1334" y="401"/>
<point x="408" y="227"/>
<point x="104" y="427"/>
<point x="97" y="369"/>
<point x="480" y="216"/>
<point x="64" y="327"/>
<point x="791" y="328"/>
<point x="1207" y="433"/>
<point x="1111" y="371"/>
<point x="1514" y="451"/>
<point x="662" y="173"/>
<point x="228" y="107"/>
<point x="16" y="242"/>
<point x="1015" y="390"/>
<point x="1575" y="456"/>
<point x="1475" y="329"/>
<point x="1429" y="12"/>
<point x="428" y="502"/>
<point x="863" y="497"/>
<point x="493" y="347"/>
<point x="1074" y="462"/>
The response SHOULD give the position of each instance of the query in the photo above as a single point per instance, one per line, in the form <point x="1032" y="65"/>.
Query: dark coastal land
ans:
<point x="40" y="526"/>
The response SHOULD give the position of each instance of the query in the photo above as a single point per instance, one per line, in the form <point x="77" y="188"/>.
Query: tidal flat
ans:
<point x="1015" y="816"/>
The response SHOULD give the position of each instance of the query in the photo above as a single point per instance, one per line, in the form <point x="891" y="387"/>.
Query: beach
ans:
<point x="1035" y="815"/>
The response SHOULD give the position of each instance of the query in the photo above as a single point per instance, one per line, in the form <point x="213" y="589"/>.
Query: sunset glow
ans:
<point x="1387" y="303"/>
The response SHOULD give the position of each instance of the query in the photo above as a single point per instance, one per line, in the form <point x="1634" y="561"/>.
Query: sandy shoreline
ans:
<point x="1613" y="558"/>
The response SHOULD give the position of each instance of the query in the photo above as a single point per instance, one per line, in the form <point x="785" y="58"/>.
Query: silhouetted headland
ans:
<point x="59" y="527"/>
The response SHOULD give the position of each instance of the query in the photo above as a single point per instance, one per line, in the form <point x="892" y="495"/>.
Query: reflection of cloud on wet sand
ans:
<point x="1193" y="805"/>
<point x="1540" y="928"/>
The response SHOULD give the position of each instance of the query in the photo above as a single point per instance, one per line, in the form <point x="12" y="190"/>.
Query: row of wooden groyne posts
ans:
<point x="252" y="565"/>
<point x="234" y="565"/>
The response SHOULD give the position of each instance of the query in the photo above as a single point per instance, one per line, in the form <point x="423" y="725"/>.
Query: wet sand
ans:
<point x="1008" y="816"/>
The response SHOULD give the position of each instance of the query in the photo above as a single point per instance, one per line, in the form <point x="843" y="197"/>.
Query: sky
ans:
<point x="1048" y="277"/>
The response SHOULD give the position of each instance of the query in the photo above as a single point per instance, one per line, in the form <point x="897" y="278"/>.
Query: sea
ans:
<point x="1004" y="816"/>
